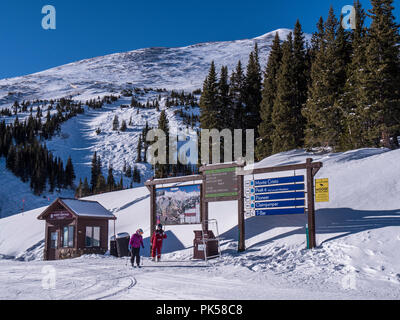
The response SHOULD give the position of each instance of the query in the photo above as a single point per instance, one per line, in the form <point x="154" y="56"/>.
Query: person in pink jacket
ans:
<point x="134" y="247"/>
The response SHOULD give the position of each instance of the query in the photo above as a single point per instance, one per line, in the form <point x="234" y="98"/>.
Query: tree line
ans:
<point x="338" y="92"/>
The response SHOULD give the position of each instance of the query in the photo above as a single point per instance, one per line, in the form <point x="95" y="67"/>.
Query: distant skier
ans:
<point x="134" y="247"/>
<point x="157" y="242"/>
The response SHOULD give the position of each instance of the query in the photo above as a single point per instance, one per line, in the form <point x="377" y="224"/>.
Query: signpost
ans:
<point x="284" y="195"/>
<point x="222" y="183"/>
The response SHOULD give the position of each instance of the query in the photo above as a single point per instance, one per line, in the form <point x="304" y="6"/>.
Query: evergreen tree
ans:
<point x="139" y="150"/>
<point x="123" y="126"/>
<point x="352" y="127"/>
<point x="236" y="97"/>
<point x="379" y="97"/>
<point x="101" y="185"/>
<point x="115" y="123"/>
<point x="324" y="116"/>
<point x="284" y="115"/>
<point x="110" y="179"/>
<point x="69" y="173"/>
<point x="252" y="97"/>
<point x="94" y="171"/>
<point x="266" y="129"/>
<point x="85" y="188"/>
<point x="224" y="112"/>
<point x="208" y="100"/>
<point x="163" y="170"/>
<point x="300" y="80"/>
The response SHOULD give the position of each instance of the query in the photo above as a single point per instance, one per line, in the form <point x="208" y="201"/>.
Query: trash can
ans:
<point x="208" y="246"/>
<point x="113" y="247"/>
<point x="123" y="244"/>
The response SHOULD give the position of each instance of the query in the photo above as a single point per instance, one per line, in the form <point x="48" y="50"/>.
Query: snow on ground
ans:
<point x="358" y="237"/>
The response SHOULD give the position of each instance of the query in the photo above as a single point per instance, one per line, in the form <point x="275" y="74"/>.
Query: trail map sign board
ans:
<point x="221" y="184"/>
<point x="322" y="190"/>
<point x="178" y="205"/>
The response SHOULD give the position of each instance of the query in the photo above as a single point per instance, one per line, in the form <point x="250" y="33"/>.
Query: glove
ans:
<point x="129" y="247"/>
<point x="143" y="247"/>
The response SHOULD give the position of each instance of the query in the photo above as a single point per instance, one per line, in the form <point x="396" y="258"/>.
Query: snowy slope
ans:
<point x="358" y="237"/>
<point x="170" y="68"/>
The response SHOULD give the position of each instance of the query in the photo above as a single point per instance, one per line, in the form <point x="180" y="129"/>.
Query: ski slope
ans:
<point x="358" y="238"/>
<point x="171" y="68"/>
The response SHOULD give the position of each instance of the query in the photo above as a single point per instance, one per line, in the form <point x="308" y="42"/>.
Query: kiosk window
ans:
<point x="53" y="240"/>
<point x="92" y="237"/>
<point x="68" y="241"/>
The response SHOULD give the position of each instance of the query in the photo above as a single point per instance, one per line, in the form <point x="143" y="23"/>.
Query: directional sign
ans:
<point x="283" y="180"/>
<point x="283" y="188"/>
<point x="280" y="204"/>
<point x="279" y="196"/>
<point x="273" y="212"/>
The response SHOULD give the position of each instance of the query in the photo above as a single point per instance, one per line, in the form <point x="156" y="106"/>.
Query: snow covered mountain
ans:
<point x="170" y="68"/>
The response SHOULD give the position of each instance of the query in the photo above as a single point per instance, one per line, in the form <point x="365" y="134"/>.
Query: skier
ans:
<point x="157" y="241"/>
<point x="134" y="247"/>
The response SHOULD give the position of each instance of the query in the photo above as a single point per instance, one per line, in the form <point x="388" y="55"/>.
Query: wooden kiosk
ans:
<point x="75" y="227"/>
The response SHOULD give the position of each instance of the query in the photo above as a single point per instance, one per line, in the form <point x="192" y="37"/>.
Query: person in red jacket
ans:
<point x="157" y="242"/>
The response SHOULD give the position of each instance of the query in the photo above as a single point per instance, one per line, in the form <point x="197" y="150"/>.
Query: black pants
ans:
<point x="135" y="253"/>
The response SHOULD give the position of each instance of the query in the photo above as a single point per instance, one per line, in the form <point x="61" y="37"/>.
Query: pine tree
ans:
<point x="266" y="129"/>
<point x="115" y="123"/>
<point x="253" y="86"/>
<point x="284" y="115"/>
<point x="379" y="101"/>
<point x="324" y="116"/>
<point x="110" y="179"/>
<point x="300" y="79"/>
<point x="94" y="172"/>
<point x="123" y="126"/>
<point x="236" y="97"/>
<point x="163" y="170"/>
<point x="352" y="127"/>
<point x="78" y="190"/>
<point x="224" y="112"/>
<point x="85" y="188"/>
<point x="208" y="100"/>
<point x="101" y="185"/>
<point x="69" y="173"/>
<point x="128" y="171"/>
<point x="139" y="150"/>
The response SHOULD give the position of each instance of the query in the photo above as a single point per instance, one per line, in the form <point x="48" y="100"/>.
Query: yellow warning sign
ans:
<point x="322" y="190"/>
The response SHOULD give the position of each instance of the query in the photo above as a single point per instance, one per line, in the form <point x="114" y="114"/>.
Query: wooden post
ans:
<point x="204" y="208"/>
<point x="241" y="222"/>
<point x="152" y="212"/>
<point x="310" y="204"/>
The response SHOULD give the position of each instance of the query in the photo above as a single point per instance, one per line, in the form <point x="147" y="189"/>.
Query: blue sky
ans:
<point x="89" y="28"/>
